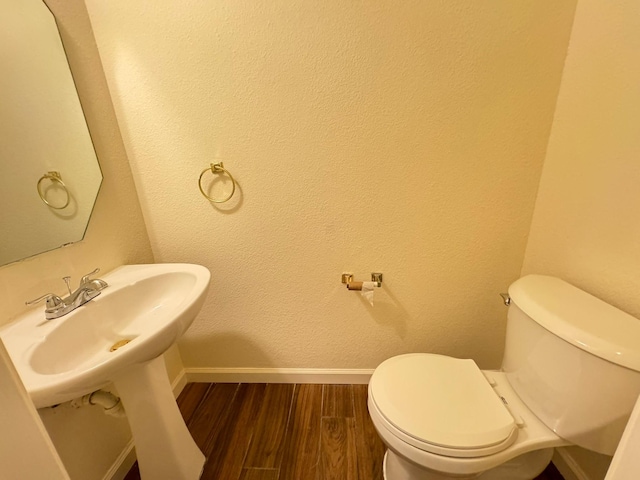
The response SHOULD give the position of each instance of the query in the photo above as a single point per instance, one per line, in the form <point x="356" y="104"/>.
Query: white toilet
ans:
<point x="569" y="376"/>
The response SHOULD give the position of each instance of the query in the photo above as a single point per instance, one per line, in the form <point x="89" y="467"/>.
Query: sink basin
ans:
<point x="119" y="337"/>
<point x="150" y="306"/>
<point x="146" y="314"/>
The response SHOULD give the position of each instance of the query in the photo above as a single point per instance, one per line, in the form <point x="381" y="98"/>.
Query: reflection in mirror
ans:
<point x="49" y="173"/>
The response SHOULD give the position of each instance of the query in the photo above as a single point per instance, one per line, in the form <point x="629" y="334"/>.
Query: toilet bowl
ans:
<point x="570" y="376"/>
<point x="444" y="414"/>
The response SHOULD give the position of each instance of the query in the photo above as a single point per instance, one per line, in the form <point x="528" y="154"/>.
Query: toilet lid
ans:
<point x="442" y="401"/>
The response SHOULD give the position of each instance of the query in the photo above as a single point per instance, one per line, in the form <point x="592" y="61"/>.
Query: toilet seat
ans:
<point x="532" y="435"/>
<point x="442" y="405"/>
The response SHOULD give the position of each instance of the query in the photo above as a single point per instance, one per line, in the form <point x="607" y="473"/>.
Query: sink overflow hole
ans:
<point x="118" y="344"/>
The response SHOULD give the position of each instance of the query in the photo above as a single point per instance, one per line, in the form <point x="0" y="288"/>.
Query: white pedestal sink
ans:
<point x="150" y="306"/>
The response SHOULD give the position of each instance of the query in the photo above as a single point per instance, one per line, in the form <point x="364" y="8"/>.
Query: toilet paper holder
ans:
<point x="347" y="278"/>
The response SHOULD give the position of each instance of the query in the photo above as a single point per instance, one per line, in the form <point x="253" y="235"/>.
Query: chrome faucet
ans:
<point x="88" y="289"/>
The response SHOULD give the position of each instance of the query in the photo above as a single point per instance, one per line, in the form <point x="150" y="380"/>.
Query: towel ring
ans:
<point x="214" y="169"/>
<point x="54" y="177"/>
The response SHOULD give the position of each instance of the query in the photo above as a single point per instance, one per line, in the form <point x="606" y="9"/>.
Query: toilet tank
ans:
<point x="573" y="359"/>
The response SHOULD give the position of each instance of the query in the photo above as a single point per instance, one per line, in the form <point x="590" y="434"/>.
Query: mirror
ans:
<point x="49" y="173"/>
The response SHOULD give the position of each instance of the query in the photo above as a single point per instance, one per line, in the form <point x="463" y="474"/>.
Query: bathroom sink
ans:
<point x="145" y="309"/>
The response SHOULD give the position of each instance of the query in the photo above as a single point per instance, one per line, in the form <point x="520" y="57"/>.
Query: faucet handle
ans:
<point x="95" y="283"/>
<point x="52" y="299"/>
<point x="67" y="280"/>
<point x="85" y="279"/>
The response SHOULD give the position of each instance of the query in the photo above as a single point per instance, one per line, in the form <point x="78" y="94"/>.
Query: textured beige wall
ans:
<point x="406" y="138"/>
<point x="88" y="442"/>
<point x="586" y="225"/>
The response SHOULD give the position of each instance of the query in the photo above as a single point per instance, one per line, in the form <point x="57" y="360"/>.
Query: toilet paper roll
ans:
<point x="367" y="291"/>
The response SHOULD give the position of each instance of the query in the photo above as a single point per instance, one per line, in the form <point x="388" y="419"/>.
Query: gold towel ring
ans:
<point x="54" y="177"/>
<point x="217" y="168"/>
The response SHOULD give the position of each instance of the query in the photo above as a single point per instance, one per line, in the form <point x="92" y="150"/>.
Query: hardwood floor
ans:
<point x="285" y="432"/>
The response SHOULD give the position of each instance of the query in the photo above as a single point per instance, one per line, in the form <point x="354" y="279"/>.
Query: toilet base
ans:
<point x="523" y="467"/>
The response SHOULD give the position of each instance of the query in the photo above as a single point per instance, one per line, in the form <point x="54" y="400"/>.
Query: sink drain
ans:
<point x="118" y="344"/>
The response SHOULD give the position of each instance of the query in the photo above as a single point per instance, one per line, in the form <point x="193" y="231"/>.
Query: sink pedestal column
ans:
<point x="164" y="446"/>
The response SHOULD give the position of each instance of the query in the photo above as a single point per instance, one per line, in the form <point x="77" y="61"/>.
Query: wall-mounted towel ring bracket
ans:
<point x="217" y="168"/>
<point x="53" y="177"/>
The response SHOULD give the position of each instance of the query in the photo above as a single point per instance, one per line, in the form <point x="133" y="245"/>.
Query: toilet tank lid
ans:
<point x="579" y="318"/>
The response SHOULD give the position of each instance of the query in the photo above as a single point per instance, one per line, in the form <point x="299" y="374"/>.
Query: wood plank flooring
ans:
<point x="285" y="432"/>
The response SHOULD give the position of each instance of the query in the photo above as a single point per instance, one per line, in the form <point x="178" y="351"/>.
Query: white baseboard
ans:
<point x="567" y="465"/>
<point x="179" y="383"/>
<point x="279" y="375"/>
<point x="123" y="463"/>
